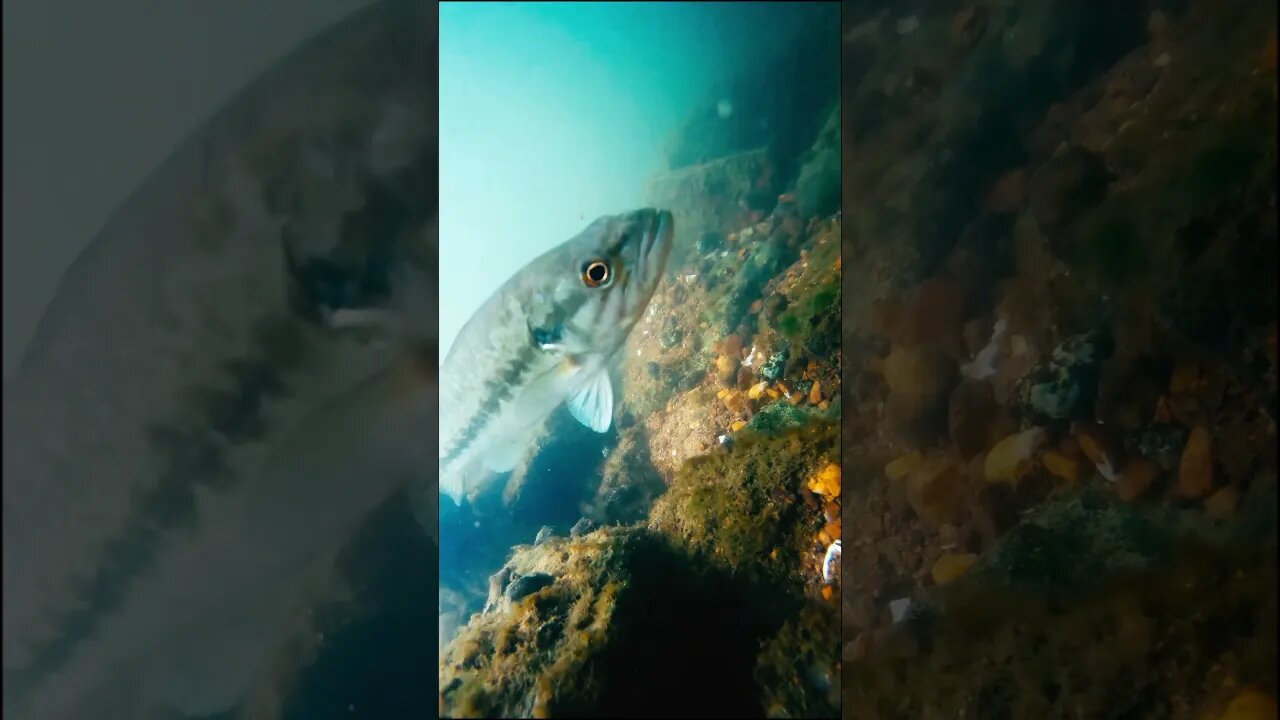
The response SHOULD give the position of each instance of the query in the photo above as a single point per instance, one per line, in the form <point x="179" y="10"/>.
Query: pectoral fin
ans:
<point x="592" y="405"/>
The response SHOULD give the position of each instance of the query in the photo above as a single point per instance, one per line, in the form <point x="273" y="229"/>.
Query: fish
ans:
<point x="231" y="377"/>
<point x="546" y="337"/>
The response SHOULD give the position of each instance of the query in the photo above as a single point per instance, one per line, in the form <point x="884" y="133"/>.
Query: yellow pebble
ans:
<point x="737" y="425"/>
<point x="826" y="482"/>
<point x="951" y="566"/>
<point x="1009" y="460"/>
<point x="902" y="467"/>
<point x="1061" y="466"/>
<point x="726" y="364"/>
<point x="1250" y="704"/>
<point x="757" y="389"/>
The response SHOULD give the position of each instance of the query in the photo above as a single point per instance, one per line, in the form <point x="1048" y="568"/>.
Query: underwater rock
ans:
<point x="773" y="368"/>
<point x="1061" y="466"/>
<point x="933" y="318"/>
<point x="1099" y="448"/>
<point x="972" y="418"/>
<point x="629" y="480"/>
<point x="670" y="336"/>
<point x="919" y="383"/>
<point x="818" y="182"/>
<point x="710" y="196"/>
<point x="580" y="528"/>
<point x="951" y="566"/>
<point x="1069" y="184"/>
<point x="826" y="482"/>
<point x="526" y="585"/>
<point x="1195" y="470"/>
<point x="545" y="533"/>
<point x="742" y="503"/>
<point x="935" y="488"/>
<point x="710" y="242"/>
<point x="597" y="641"/>
<point x="1007" y="194"/>
<point x="1012" y="457"/>
<point x="1222" y="504"/>
<point x="1250" y="703"/>
<point x="902" y="466"/>
<point x="899" y="609"/>
<point x="654" y="370"/>
<point x="780" y="415"/>
<point x="1065" y="387"/>
<point x="798" y="669"/>
<point x="1161" y="443"/>
<point x="1138" y="475"/>
<point x="497" y="587"/>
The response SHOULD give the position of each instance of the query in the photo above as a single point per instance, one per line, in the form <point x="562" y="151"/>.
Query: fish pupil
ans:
<point x="596" y="273"/>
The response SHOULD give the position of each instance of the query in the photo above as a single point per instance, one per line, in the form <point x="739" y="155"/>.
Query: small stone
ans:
<point x="1195" y="471"/>
<point x="826" y="482"/>
<point x="757" y="389"/>
<point x="1061" y="466"/>
<point x="734" y="401"/>
<point x="815" y="393"/>
<point x="772" y="369"/>
<point x="737" y="425"/>
<point x="1008" y="192"/>
<point x="726" y="367"/>
<point x="935" y="490"/>
<point x="971" y="417"/>
<point x="1138" y="475"/>
<point x="902" y="466"/>
<point x="1011" y="458"/>
<point x="898" y="609"/>
<point x="951" y="566"/>
<point x="1096" y="448"/>
<point x="1250" y="703"/>
<point x="1222" y="504"/>
<point x="545" y="533"/>
<point x="527" y="585"/>
<point x="832" y="531"/>
<point x="1187" y="379"/>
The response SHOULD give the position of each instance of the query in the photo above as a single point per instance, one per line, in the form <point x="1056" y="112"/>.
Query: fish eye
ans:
<point x="595" y="273"/>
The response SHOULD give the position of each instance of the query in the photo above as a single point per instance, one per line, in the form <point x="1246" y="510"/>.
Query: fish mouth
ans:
<point x="655" y="245"/>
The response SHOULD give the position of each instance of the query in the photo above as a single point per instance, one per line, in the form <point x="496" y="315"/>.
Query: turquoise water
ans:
<point x="552" y="114"/>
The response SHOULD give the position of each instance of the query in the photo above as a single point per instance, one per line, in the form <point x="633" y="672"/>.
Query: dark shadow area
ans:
<point x="376" y="647"/>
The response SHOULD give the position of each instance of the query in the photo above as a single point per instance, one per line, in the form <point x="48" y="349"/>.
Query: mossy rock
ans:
<point x="632" y="626"/>
<point x="740" y="505"/>
<point x="798" y="669"/>
<point x="1069" y="544"/>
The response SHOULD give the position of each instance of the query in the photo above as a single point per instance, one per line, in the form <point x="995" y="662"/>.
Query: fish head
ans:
<point x="603" y="279"/>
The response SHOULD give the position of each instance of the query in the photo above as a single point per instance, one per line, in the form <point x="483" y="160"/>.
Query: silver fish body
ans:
<point x="190" y="437"/>
<point x="546" y="337"/>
